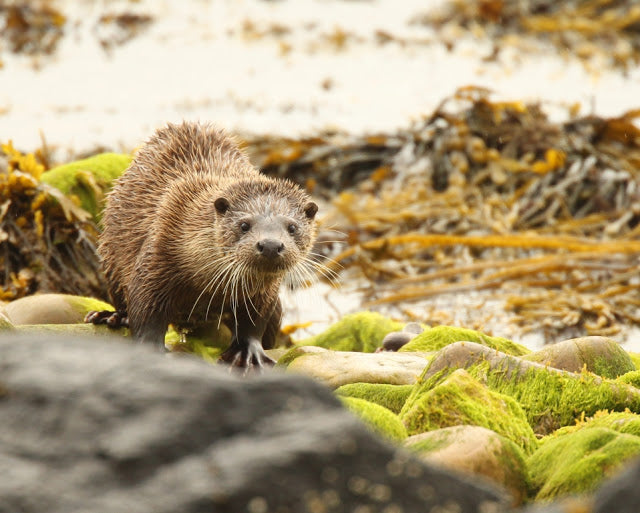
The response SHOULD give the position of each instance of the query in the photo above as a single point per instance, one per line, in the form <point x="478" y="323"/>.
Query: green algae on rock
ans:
<point x="5" y="324"/>
<point x="382" y="420"/>
<point x="89" y="179"/>
<point x="392" y="397"/>
<point x="635" y="358"/>
<point x="630" y="378"/>
<point x="577" y="462"/>
<point x="620" y="421"/>
<point x="551" y="398"/>
<point x="446" y="400"/>
<point x="477" y="451"/>
<point x="52" y="309"/>
<point x="434" y="339"/>
<point x="362" y="331"/>
<point x="600" y="355"/>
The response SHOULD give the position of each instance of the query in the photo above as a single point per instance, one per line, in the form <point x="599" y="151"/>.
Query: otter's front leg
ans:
<point x="246" y="350"/>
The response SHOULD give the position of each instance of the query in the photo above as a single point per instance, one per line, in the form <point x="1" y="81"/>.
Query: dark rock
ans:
<point x="95" y="425"/>
<point x="620" y="494"/>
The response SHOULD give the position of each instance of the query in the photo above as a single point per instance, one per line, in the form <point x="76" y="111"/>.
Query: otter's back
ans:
<point x="172" y="153"/>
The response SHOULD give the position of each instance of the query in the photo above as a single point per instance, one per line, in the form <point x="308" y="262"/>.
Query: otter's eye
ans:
<point x="245" y="227"/>
<point x="292" y="229"/>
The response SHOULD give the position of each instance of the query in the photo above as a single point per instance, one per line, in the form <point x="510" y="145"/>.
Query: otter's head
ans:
<point x="267" y="225"/>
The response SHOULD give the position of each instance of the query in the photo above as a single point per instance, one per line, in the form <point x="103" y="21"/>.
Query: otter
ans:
<point x="191" y="230"/>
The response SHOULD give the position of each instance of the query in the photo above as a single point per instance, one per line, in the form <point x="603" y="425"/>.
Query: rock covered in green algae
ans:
<point x="380" y="419"/>
<point x="551" y="398"/>
<point x="51" y="309"/>
<point x="392" y="397"/>
<point x="600" y="355"/>
<point x="635" y="358"/>
<point x="577" y="462"/>
<point x="5" y="323"/>
<point x="337" y="368"/>
<point x="621" y="421"/>
<point x="458" y="398"/>
<point x="362" y="331"/>
<point x="630" y="378"/>
<point x="478" y="451"/>
<point x="88" y="179"/>
<point x="434" y="339"/>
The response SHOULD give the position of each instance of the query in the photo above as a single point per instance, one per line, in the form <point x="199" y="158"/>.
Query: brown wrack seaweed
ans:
<point x="487" y="196"/>
<point x="47" y="242"/>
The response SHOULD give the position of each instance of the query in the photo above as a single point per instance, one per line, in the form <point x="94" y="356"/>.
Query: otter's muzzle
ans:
<point x="270" y="248"/>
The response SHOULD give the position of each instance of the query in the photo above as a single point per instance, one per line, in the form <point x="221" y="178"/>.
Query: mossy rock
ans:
<point x="434" y="339"/>
<point x="635" y="358"/>
<point x="630" y="378"/>
<point x="51" y="309"/>
<point x="296" y="352"/>
<point x="551" y="398"/>
<point x="622" y="421"/>
<point x="578" y="462"/>
<point x="89" y="179"/>
<point x="382" y="420"/>
<point x="5" y="324"/>
<point x="477" y="451"/>
<point x="392" y="397"/>
<point x="601" y="355"/>
<point x="458" y="398"/>
<point x="362" y="332"/>
<point x="76" y="329"/>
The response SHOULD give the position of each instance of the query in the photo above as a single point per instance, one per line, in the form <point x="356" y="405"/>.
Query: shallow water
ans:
<point x="269" y="67"/>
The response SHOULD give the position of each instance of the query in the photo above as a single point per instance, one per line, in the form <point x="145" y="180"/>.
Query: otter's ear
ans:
<point x="222" y="205"/>
<point x="310" y="209"/>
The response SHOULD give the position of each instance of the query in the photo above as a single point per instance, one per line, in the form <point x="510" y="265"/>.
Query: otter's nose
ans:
<point x="270" y="248"/>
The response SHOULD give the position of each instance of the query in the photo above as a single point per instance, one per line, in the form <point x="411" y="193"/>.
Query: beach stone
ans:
<point x="51" y="309"/>
<point x="396" y="339"/>
<point x="621" y="493"/>
<point x="577" y="462"/>
<point x="477" y="451"/>
<point x="601" y="355"/>
<point x="460" y="399"/>
<point x="93" y="425"/>
<point x="336" y="368"/>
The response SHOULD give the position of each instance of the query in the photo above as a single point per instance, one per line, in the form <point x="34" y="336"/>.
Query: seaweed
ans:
<point x="592" y="30"/>
<point x="47" y="242"/>
<point x="488" y="196"/>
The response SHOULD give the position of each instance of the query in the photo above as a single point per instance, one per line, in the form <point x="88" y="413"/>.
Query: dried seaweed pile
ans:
<point x="488" y="196"/>
<point x="47" y="242"/>
<point x="30" y="28"/>
<point x="608" y="30"/>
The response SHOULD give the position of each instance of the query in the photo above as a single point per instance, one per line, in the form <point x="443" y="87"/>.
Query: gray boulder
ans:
<point x="100" y="426"/>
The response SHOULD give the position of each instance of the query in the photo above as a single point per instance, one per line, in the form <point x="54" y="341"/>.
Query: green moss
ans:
<point x="552" y="399"/>
<point x="459" y="399"/>
<point x="389" y="396"/>
<point x="635" y="358"/>
<point x="88" y="179"/>
<point x="577" y="462"/>
<point x="380" y="419"/>
<point x="631" y="378"/>
<point x="5" y="324"/>
<point x="85" y="304"/>
<point x="362" y="331"/>
<point x="622" y="422"/>
<point x="436" y="338"/>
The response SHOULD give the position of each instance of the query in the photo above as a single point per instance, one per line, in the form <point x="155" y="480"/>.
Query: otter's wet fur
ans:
<point x="192" y="230"/>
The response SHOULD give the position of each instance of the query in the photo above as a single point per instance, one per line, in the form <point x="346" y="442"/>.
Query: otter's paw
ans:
<point x="112" y="319"/>
<point x="249" y="357"/>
